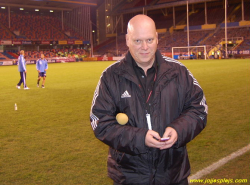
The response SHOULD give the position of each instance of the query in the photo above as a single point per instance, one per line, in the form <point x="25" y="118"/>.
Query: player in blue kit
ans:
<point x="41" y="66"/>
<point x="22" y="69"/>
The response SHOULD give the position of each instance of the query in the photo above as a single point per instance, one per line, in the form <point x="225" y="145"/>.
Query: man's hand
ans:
<point x="151" y="139"/>
<point x="169" y="132"/>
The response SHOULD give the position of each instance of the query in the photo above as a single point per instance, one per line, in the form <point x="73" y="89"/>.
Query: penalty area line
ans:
<point x="219" y="163"/>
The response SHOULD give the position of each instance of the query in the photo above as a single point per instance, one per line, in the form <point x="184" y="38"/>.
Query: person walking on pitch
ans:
<point x="41" y="66"/>
<point x="22" y="70"/>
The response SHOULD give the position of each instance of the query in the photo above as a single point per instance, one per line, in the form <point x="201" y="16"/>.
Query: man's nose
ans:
<point x="144" y="45"/>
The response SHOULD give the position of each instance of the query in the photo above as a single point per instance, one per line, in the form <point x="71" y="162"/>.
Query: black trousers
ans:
<point x="22" y="79"/>
<point x="183" y="182"/>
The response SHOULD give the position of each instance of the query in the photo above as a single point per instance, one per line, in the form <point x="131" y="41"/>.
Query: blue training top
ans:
<point x="21" y="64"/>
<point x="41" y="65"/>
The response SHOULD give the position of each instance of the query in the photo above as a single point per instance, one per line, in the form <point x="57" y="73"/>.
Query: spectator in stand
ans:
<point x="22" y="69"/>
<point x="41" y="66"/>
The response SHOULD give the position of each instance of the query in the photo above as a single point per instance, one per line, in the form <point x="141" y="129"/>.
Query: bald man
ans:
<point x="166" y="109"/>
<point x="22" y="70"/>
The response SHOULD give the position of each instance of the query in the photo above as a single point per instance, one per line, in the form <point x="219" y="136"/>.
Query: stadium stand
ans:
<point x="2" y="56"/>
<point x="48" y="27"/>
<point x="244" y="45"/>
<point x="8" y="55"/>
<point x="236" y="17"/>
<point x="56" y="22"/>
<point x="47" y="53"/>
<point x="200" y="33"/>
<point x="5" y="33"/>
<point x="232" y="32"/>
<point x="35" y="27"/>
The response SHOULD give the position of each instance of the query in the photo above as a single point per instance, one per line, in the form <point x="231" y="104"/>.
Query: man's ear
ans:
<point x="157" y="37"/>
<point x="127" y="39"/>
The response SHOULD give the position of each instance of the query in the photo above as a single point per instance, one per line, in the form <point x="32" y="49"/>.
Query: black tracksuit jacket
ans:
<point x="177" y="101"/>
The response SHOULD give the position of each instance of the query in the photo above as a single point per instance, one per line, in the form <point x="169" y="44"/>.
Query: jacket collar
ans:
<point x="125" y="68"/>
<point x="164" y="70"/>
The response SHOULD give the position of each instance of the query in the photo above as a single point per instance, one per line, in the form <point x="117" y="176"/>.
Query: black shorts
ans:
<point x="42" y="74"/>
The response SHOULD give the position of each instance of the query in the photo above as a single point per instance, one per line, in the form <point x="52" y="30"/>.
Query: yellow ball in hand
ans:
<point x="122" y="118"/>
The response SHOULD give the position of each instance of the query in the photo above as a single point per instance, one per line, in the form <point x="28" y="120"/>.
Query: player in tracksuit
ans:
<point x="22" y="69"/>
<point x="41" y="66"/>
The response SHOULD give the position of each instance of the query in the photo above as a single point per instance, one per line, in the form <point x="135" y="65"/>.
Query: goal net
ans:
<point x="190" y="52"/>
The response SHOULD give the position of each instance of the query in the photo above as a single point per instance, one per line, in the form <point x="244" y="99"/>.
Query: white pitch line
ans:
<point x="219" y="163"/>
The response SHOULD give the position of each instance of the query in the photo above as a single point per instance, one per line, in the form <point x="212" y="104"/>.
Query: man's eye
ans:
<point x="150" y="40"/>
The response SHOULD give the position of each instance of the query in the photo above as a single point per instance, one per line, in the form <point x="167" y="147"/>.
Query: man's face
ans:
<point x="142" y="43"/>
<point x="42" y="56"/>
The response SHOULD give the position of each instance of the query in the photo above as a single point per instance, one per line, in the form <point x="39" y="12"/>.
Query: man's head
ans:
<point x="22" y="52"/>
<point x="42" y="56"/>
<point x="142" y="40"/>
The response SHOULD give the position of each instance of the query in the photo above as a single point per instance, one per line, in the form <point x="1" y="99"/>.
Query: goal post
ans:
<point x="190" y="52"/>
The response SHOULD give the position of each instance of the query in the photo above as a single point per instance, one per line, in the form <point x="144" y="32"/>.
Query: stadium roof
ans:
<point x="48" y="4"/>
<point x="155" y="5"/>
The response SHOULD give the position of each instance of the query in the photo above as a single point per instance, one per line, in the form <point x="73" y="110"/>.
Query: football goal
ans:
<point x="191" y="52"/>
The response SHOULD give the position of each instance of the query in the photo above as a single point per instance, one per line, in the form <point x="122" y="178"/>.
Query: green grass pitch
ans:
<point x="49" y="140"/>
